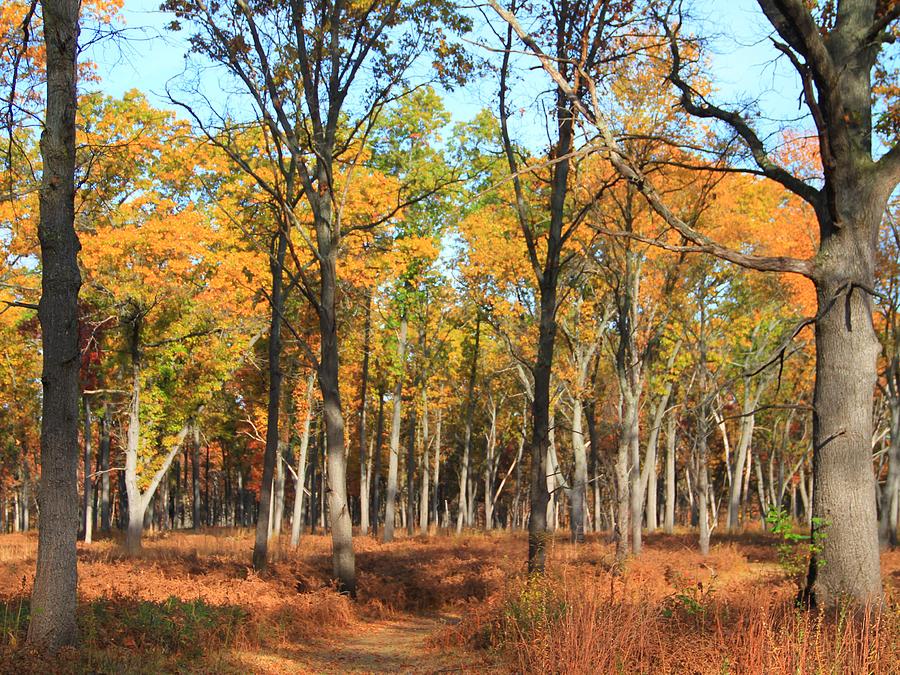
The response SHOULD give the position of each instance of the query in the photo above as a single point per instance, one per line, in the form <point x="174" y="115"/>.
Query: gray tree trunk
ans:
<point x="195" y="478"/>
<point x="437" y="469"/>
<point x="671" y="431"/>
<point x="579" y="480"/>
<point x="52" y="622"/>
<point x="463" y="509"/>
<point x="394" y="456"/>
<point x="273" y="408"/>
<point x="376" y="476"/>
<point x="300" y="474"/>
<point x="363" y="401"/>
<point x="88" y="487"/>
<point x="411" y="471"/>
<point x="424" y="497"/>
<point x="890" y="495"/>
<point x="104" y="468"/>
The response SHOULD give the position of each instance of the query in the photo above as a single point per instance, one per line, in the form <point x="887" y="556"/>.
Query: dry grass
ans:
<point x="192" y="603"/>
<point x="673" y="611"/>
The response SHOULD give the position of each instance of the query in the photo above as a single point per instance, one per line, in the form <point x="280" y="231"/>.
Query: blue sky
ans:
<point x="743" y="61"/>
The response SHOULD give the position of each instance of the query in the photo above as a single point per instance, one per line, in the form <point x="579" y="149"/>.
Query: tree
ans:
<point x="562" y="25"/>
<point x="53" y="599"/>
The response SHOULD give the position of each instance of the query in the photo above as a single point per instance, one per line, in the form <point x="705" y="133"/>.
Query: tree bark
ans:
<point x="411" y="471"/>
<point x="261" y="541"/>
<point x="195" y="477"/>
<point x="425" y="497"/>
<point x="104" y="468"/>
<point x="343" y="558"/>
<point x="437" y="470"/>
<point x="52" y="622"/>
<point x="890" y="495"/>
<point x="376" y="482"/>
<point x="671" y="431"/>
<point x="363" y="400"/>
<point x="845" y="519"/>
<point x="300" y="477"/>
<point x="394" y="456"/>
<point x="88" y="487"/>
<point x="463" y="509"/>
<point x="591" y="421"/>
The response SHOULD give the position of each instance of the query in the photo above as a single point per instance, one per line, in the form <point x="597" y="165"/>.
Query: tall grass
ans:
<point x="578" y="626"/>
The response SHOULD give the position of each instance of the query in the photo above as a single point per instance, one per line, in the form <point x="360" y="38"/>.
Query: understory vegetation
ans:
<point x="191" y="602"/>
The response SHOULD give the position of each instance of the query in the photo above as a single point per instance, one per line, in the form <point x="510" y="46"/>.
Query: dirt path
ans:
<point x="391" y="647"/>
<point x="397" y="646"/>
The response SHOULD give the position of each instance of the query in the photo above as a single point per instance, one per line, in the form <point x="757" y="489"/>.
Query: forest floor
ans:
<point x="192" y="603"/>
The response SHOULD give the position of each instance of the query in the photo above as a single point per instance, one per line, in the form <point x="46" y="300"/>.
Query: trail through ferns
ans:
<point x="191" y="603"/>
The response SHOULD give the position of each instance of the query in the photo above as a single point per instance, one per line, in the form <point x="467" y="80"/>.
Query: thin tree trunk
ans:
<point x="394" y="457"/>
<point x="135" y="522"/>
<point x="376" y="483"/>
<point x="261" y="541"/>
<point x="424" y="496"/>
<point x="437" y="469"/>
<point x="490" y="466"/>
<point x="748" y="420"/>
<point x="887" y="526"/>
<point x="278" y="490"/>
<point x="300" y="477"/>
<point x="411" y="470"/>
<point x="671" y="431"/>
<point x="467" y="431"/>
<point x="88" y="488"/>
<point x="363" y="394"/>
<point x="580" y="478"/>
<point x="195" y="477"/>
<point x="703" y="417"/>
<point x="590" y="419"/>
<point x="104" y="468"/>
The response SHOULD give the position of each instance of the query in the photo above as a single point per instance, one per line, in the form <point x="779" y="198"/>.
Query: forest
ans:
<point x="551" y="336"/>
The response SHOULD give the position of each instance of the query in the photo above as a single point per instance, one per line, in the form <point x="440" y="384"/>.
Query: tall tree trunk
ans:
<point x="748" y="420"/>
<point x="437" y="470"/>
<point x="887" y="526"/>
<point x="624" y="528"/>
<point x="846" y="352"/>
<point x="467" y="431"/>
<point x="547" y="278"/>
<point x="411" y="471"/>
<point x="591" y="421"/>
<point x="135" y="520"/>
<point x="206" y="509"/>
<point x="88" y="488"/>
<point x="300" y="474"/>
<point x="376" y="482"/>
<point x="195" y="477"/>
<point x="703" y="416"/>
<point x="579" y="483"/>
<point x="343" y="558"/>
<point x="363" y="400"/>
<point x="276" y="267"/>
<point x="394" y="457"/>
<point x="648" y="474"/>
<point x="278" y="490"/>
<point x="490" y="466"/>
<point x="52" y="622"/>
<point x="671" y="431"/>
<point x="424" y="499"/>
<point x="104" y="469"/>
